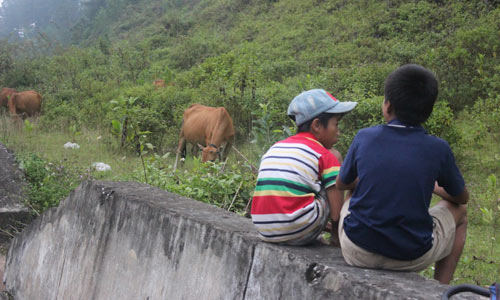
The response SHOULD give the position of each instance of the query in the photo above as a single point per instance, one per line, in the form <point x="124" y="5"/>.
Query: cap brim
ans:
<point x="342" y="107"/>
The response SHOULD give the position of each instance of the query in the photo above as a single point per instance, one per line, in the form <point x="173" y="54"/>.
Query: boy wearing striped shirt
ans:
<point x="296" y="192"/>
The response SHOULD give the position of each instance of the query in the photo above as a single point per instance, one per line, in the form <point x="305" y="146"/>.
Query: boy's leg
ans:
<point x="318" y="228"/>
<point x="445" y="267"/>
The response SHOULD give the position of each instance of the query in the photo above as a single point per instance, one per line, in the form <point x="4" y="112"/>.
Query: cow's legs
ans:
<point x="228" y="146"/>
<point x="180" y="148"/>
<point x="195" y="150"/>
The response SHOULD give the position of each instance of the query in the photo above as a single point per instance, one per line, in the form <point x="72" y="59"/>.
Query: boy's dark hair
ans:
<point x="323" y="120"/>
<point x="412" y="90"/>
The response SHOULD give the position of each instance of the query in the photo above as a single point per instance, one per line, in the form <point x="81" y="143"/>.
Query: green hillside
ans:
<point x="252" y="57"/>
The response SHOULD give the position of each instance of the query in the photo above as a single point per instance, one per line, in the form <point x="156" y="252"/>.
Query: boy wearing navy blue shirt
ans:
<point x="393" y="170"/>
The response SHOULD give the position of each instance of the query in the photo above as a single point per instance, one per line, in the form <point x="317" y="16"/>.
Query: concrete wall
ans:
<point x="111" y="240"/>
<point x="12" y="188"/>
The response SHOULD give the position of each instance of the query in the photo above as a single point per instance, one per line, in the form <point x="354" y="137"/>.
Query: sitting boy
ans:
<point x="296" y="193"/>
<point x="393" y="170"/>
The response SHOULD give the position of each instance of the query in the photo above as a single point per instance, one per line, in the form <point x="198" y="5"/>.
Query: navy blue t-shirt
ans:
<point x="397" y="166"/>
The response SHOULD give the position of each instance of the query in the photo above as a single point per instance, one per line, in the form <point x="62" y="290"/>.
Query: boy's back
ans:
<point x="287" y="184"/>
<point x="397" y="166"/>
<point x="394" y="169"/>
<point x="296" y="194"/>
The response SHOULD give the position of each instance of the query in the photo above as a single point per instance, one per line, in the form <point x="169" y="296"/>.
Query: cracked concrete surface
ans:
<point x="125" y="240"/>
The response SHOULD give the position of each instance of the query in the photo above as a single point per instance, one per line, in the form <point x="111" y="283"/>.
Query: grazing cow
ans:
<point x="159" y="83"/>
<point x="5" y="95"/>
<point x="210" y="125"/>
<point x="26" y="103"/>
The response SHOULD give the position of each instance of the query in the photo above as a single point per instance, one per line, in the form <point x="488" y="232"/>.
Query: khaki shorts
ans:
<point x="443" y="233"/>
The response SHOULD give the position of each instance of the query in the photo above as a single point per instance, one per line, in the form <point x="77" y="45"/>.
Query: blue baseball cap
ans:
<point x="309" y="104"/>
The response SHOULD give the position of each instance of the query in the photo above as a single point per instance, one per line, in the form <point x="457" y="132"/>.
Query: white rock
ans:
<point x="70" y="145"/>
<point x="100" y="166"/>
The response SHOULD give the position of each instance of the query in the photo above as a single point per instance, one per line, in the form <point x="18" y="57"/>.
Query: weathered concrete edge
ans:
<point x="13" y="213"/>
<point x="305" y="272"/>
<point x="145" y="243"/>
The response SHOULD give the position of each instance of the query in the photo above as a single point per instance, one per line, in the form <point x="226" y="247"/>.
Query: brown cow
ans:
<point x="210" y="125"/>
<point x="159" y="83"/>
<point x="5" y="95"/>
<point x="26" y="103"/>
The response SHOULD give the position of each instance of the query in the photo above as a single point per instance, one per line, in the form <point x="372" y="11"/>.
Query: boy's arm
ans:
<point x="339" y="158"/>
<point x="461" y="198"/>
<point x="346" y="186"/>
<point x="336" y="200"/>
<point x="337" y="154"/>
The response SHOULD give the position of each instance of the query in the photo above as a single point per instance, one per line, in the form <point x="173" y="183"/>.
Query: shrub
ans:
<point x="228" y="186"/>
<point x="48" y="182"/>
<point x="367" y="113"/>
<point x="441" y="124"/>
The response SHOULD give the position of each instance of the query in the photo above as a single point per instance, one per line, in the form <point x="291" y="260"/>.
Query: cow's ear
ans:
<point x="200" y="146"/>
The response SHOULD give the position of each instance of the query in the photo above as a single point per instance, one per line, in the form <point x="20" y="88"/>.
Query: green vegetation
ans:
<point x="251" y="57"/>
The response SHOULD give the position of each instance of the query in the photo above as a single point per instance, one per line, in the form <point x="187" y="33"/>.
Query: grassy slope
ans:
<point x="346" y="47"/>
<point x="478" y="265"/>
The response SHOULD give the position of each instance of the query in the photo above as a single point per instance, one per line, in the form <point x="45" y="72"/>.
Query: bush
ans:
<point x="441" y="124"/>
<point x="367" y="113"/>
<point x="48" y="182"/>
<point x="229" y="189"/>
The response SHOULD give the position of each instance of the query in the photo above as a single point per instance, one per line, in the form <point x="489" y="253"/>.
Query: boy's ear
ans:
<point x="315" y="125"/>
<point x="390" y="108"/>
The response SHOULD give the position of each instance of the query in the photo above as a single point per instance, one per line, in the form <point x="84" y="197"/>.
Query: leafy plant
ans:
<point x="226" y="185"/>
<point x="28" y="126"/>
<point x="48" y="182"/>
<point x="128" y="127"/>
<point x="73" y="129"/>
<point x="265" y="132"/>
<point x="491" y="210"/>
<point x="441" y="123"/>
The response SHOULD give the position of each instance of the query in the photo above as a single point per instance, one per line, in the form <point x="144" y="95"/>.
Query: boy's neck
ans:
<point x="311" y="135"/>
<point x="390" y="118"/>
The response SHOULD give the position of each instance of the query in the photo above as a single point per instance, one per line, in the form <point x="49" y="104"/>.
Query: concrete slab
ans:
<point x="12" y="189"/>
<point x="2" y="268"/>
<point x="112" y="240"/>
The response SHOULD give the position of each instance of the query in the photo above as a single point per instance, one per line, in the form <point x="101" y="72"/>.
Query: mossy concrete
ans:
<point x="111" y="240"/>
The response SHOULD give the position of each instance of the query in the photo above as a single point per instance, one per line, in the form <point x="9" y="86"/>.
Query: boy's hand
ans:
<point x="334" y="240"/>
<point x="333" y="229"/>
<point x="462" y="198"/>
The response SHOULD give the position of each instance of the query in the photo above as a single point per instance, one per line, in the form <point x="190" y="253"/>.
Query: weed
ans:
<point x="226" y="185"/>
<point x="491" y="210"/>
<point x="48" y="182"/>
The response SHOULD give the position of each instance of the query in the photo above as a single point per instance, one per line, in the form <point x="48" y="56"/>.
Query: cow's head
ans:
<point x="209" y="153"/>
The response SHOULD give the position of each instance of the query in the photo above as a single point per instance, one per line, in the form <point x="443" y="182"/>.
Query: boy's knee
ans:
<point x="459" y="211"/>
<point x="462" y="218"/>
<point x="460" y="214"/>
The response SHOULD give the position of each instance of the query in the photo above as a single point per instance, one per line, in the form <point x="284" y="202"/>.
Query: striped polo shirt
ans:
<point x="291" y="174"/>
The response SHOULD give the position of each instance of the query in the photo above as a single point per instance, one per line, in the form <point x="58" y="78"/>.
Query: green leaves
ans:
<point x="116" y="127"/>
<point x="48" y="182"/>
<point x="28" y="126"/>
<point x="226" y="185"/>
